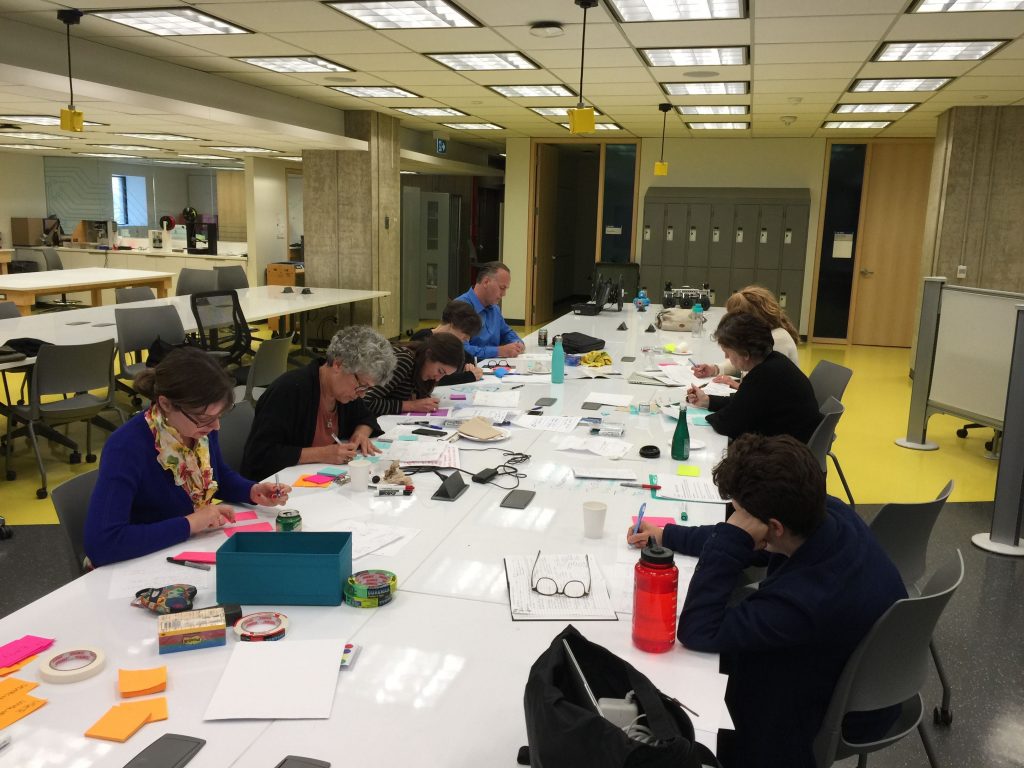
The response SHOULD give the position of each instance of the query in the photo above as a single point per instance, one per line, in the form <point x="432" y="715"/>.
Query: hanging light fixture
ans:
<point x="581" y="119"/>
<point x="71" y="119"/>
<point x="660" y="166"/>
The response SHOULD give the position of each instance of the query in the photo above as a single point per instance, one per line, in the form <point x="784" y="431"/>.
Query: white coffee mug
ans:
<point x="593" y="519"/>
<point x="359" y="472"/>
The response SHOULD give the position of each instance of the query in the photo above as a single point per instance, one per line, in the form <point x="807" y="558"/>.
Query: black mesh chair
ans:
<point x="221" y="328"/>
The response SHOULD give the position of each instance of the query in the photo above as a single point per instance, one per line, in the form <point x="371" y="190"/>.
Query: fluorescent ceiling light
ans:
<point x="128" y="147"/>
<point x="225" y="168"/>
<point x="374" y="91"/>
<point x="474" y="126"/>
<point x="107" y="154"/>
<point x="709" y="109"/>
<point x="705" y="89"/>
<point x="678" y="10"/>
<point x="172" y="21"/>
<point x="206" y="157"/>
<point x="690" y="57"/>
<point x="899" y="84"/>
<point x="868" y="108"/>
<point x="174" y="162"/>
<point x="940" y="50"/>
<point x="408" y="173"/>
<point x="956" y="6"/>
<point x="862" y="124"/>
<point x="483" y="61"/>
<point x="290" y="158"/>
<point x="34" y="136"/>
<point x="531" y="91"/>
<point x="37" y="120"/>
<point x="557" y="111"/>
<point x="294" y="63"/>
<point x="23" y="146"/>
<point x="430" y="111"/>
<point x="599" y="126"/>
<point x="718" y="126"/>
<point x="407" y="14"/>
<point x="244" y="150"/>
<point x="158" y="136"/>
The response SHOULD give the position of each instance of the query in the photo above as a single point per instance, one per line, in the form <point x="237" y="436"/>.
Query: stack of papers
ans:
<point x="122" y="720"/>
<point x="689" y="489"/>
<point x="506" y="398"/>
<point x="618" y="399"/>
<point x="415" y="451"/>
<point x="548" y="423"/>
<point x="586" y="372"/>
<point x="609" y="447"/>
<point x="494" y="415"/>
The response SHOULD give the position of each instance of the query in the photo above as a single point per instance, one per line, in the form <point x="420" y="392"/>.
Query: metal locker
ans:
<point x="674" y="235"/>
<point x="744" y="236"/>
<point x="719" y="238"/>
<point x="652" y="233"/>
<point x="794" y="236"/>
<point x="740" y="278"/>
<point x="650" y="278"/>
<point x="696" y="276"/>
<point x="674" y="275"/>
<point x="698" y="235"/>
<point x="769" y="238"/>
<point x="718" y="278"/>
<point x="791" y="283"/>
<point x="767" y="278"/>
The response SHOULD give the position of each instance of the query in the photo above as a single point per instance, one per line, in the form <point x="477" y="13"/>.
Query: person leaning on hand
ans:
<point x="316" y="414"/>
<point x="162" y="469"/>
<point x="495" y="339"/>
<point x="461" y="320"/>
<point x="784" y="644"/>
<point x="418" y="368"/>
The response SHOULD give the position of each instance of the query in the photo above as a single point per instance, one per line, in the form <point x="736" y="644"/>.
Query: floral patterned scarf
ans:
<point x="190" y="467"/>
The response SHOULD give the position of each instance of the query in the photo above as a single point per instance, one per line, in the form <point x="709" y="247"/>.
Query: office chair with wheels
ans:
<point x="71" y="500"/>
<point x="53" y="262"/>
<point x="830" y="379"/>
<point x="9" y="310"/>
<point x="269" y="362"/>
<point x="26" y="260"/>
<point x="221" y="327"/>
<point x="134" y="293"/>
<point x="234" y="431"/>
<point x="889" y="667"/>
<point x="195" y="281"/>
<point x="137" y="329"/>
<point x="904" y="530"/>
<point x="820" y="443"/>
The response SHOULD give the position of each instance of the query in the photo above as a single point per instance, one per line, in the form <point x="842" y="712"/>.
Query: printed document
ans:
<point x="528" y="605"/>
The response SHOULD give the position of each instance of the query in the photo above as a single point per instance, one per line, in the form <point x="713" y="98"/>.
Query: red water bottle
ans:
<point x="656" y="584"/>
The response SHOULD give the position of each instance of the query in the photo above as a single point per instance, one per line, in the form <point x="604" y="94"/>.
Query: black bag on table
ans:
<point x="579" y="343"/>
<point x="564" y="732"/>
<point x="26" y="345"/>
<point x="159" y="349"/>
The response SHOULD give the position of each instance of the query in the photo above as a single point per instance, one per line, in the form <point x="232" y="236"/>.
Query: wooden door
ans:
<point x="544" y="233"/>
<point x="887" y="273"/>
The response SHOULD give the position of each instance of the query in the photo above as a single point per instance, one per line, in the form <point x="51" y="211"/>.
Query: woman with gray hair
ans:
<point x="316" y="415"/>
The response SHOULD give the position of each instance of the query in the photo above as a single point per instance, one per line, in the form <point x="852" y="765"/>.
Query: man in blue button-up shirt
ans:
<point x="495" y="339"/>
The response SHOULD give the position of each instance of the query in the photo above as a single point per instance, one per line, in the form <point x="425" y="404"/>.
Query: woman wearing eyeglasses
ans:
<point x="418" y="368"/>
<point x="161" y="471"/>
<point x="316" y="414"/>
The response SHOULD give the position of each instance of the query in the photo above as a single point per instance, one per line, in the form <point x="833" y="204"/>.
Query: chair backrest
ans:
<point x="8" y="309"/>
<point x="891" y="662"/>
<point x="270" y="361"/>
<point x="71" y="500"/>
<point x="234" y="431"/>
<point x="138" y="328"/>
<point x="903" y="530"/>
<point x="231" y="278"/>
<point x="821" y="440"/>
<point x="829" y="379"/>
<point x="195" y="281"/>
<point x="133" y="293"/>
<point x="221" y="325"/>
<point x="52" y="258"/>
<point x="28" y="257"/>
<point x="62" y="369"/>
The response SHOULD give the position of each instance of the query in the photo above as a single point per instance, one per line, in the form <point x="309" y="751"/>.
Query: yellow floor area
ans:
<point x="877" y="402"/>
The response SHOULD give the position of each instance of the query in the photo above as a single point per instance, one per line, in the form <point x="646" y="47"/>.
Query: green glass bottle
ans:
<point x="681" y="437"/>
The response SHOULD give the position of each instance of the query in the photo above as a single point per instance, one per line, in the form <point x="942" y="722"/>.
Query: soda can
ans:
<point x="288" y="520"/>
<point x="542" y="337"/>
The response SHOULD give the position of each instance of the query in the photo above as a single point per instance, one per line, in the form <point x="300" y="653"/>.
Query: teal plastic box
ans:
<point x="289" y="568"/>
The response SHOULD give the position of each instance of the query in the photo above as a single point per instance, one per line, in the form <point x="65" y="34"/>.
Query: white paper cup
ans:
<point x="593" y="519"/>
<point x="359" y="472"/>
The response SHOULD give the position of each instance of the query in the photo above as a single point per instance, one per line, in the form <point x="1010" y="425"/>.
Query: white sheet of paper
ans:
<point x="604" y="473"/>
<point x="586" y="372"/>
<point x="689" y="489"/>
<point x="609" y="398"/>
<point x="548" y="423"/>
<point x="289" y="680"/>
<point x="415" y="451"/>
<point x="495" y="415"/>
<point x="714" y="388"/>
<point x="370" y="537"/>
<point x="528" y="605"/>
<point x="608" y="447"/>
<point x="129" y="577"/>
<point x="508" y="398"/>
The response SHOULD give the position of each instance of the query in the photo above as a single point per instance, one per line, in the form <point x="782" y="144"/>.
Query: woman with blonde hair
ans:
<point x="759" y="302"/>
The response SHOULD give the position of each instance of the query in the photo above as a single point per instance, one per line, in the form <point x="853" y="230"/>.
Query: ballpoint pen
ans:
<point x="189" y="564"/>
<point x="640" y="517"/>
<point x="645" y="486"/>
<point x="517" y="386"/>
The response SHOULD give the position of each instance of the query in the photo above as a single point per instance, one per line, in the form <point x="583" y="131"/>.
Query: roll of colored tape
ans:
<point x="71" y="666"/>
<point x="373" y="583"/>
<point x="263" y="626"/>
<point x="368" y="602"/>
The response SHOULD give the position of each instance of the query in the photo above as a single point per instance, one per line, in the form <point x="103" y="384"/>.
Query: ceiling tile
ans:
<point x="440" y="77"/>
<point x="446" y="40"/>
<point x="957" y="26"/>
<point x="811" y="53"/>
<point x="242" y="45"/>
<point x="498" y="14"/>
<point x="674" y="34"/>
<point x="802" y="8"/>
<point x="271" y="18"/>
<point x="598" y="36"/>
<point x="810" y="29"/>
<point x="568" y="58"/>
<point x="341" y="43"/>
<point x="514" y="77"/>
<point x="765" y="72"/>
<point x="390" y="62"/>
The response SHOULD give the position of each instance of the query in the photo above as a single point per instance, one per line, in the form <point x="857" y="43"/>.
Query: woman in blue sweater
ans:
<point x="161" y="471"/>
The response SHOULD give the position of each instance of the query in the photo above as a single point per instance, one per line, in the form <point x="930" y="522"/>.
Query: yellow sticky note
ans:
<point x="141" y="682"/>
<point x="16" y="707"/>
<point x="686" y="470"/>
<point x="15" y="667"/>
<point x="155" y="709"/>
<point x="119" y="723"/>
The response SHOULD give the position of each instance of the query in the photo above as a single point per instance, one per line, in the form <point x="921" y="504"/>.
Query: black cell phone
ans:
<point x="542" y="401"/>
<point x="172" y="750"/>
<point x="628" y="359"/>
<point x="518" y="499"/>
<point x="294" y="761"/>
<point x="591" y="406"/>
<point x="430" y="432"/>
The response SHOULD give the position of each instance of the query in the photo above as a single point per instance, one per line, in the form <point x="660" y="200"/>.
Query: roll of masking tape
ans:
<point x="372" y="583"/>
<point x="71" y="666"/>
<point x="262" y="626"/>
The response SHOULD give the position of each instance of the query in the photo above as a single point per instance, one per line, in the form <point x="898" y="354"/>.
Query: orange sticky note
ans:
<point x="303" y="482"/>
<point x="141" y="682"/>
<point x="119" y="723"/>
<point x="14" y="708"/>
<point x="155" y="709"/>
<point x="15" y="667"/>
<point x="13" y="688"/>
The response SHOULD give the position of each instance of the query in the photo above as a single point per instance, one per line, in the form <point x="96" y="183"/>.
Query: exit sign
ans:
<point x="442" y="146"/>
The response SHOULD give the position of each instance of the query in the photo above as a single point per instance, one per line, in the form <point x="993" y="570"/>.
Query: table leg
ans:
<point x="23" y="300"/>
<point x="96" y="297"/>
<point x="163" y="288"/>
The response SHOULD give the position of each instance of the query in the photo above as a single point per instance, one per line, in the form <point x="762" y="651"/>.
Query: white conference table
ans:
<point x="440" y="678"/>
<point x="24" y="288"/>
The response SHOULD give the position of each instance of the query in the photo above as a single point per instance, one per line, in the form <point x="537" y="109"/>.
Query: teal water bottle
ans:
<point x="558" y="362"/>
<point x="681" y="437"/>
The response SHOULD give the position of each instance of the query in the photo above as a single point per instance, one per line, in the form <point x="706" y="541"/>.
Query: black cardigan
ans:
<point x="775" y="398"/>
<point x="286" y="422"/>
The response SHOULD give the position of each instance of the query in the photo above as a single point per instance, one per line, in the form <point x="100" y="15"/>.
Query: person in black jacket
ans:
<point x="786" y="643"/>
<point x="775" y="399"/>
<point x="316" y="414"/>
<point x="418" y="368"/>
<point x="461" y="320"/>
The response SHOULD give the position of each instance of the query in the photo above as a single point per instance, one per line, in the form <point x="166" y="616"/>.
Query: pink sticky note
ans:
<point x="318" y="479"/>
<point x="659" y="521"/>
<point x="438" y="412"/>
<point x="664" y="365"/>
<point x="16" y="650"/>
<point x="456" y="396"/>
<point x="254" y="528"/>
<point x="249" y="515"/>
<point x="197" y="557"/>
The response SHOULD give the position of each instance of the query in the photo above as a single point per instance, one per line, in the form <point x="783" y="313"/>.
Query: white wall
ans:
<point x="266" y="214"/>
<point x="22" y="191"/>
<point x="516" y="224"/>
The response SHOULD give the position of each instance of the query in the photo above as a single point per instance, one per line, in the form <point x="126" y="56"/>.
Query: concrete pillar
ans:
<point x="351" y="204"/>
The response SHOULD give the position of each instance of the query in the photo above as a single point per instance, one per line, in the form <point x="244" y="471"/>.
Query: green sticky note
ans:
<point x="408" y="437"/>
<point x="381" y="446"/>
<point x="696" y="412"/>
<point x="331" y="471"/>
<point x="687" y="470"/>
<point x="700" y="421"/>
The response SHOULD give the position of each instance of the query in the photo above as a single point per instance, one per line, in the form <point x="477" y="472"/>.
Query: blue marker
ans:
<point x="640" y="518"/>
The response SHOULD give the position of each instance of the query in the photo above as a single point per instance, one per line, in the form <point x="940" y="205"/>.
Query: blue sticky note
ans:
<point x="697" y="412"/>
<point x="331" y="471"/>
<point x="408" y="437"/>
<point x="380" y="446"/>
<point x="700" y="421"/>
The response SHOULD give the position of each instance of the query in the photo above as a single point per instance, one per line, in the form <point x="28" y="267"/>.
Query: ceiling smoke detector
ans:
<point x="788" y="120"/>
<point x="546" y="29"/>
